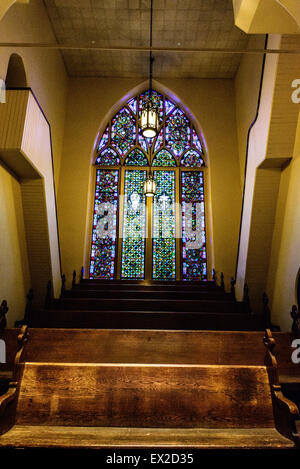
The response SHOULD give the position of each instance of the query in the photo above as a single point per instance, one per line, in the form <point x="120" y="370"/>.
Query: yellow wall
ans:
<point x="14" y="269"/>
<point x="210" y="102"/>
<point x="285" y="259"/>
<point x="47" y="77"/>
<point x="45" y="71"/>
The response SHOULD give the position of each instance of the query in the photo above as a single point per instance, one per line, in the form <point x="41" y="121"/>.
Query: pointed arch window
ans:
<point x="178" y="161"/>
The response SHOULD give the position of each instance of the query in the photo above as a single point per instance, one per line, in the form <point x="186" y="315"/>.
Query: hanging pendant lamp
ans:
<point x="149" y="116"/>
<point x="150" y="186"/>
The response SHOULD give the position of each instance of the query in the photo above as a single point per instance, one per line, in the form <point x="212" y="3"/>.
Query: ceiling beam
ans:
<point x="146" y="49"/>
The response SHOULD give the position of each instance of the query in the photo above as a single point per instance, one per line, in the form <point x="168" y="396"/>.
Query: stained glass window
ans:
<point x="123" y="131"/>
<point x="134" y="226"/>
<point x="159" y="140"/>
<point x="104" y="139"/>
<point x="178" y="132"/>
<point x="192" y="159"/>
<point x="103" y="251"/>
<point x="196" y="141"/>
<point x="163" y="158"/>
<point x="163" y="227"/>
<point x="156" y="99"/>
<point x="136" y="158"/>
<point x="193" y="226"/>
<point x="122" y="144"/>
<point x="108" y="157"/>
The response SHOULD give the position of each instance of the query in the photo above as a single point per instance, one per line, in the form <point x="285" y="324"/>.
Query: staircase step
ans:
<point x="116" y="304"/>
<point x="150" y="293"/>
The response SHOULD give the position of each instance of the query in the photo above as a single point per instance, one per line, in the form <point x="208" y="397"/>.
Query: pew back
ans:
<point x="144" y="346"/>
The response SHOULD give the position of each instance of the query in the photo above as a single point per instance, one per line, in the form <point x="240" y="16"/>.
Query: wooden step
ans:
<point x="117" y="304"/>
<point x="218" y="295"/>
<point x="149" y="320"/>
<point x="159" y="286"/>
<point x="144" y="346"/>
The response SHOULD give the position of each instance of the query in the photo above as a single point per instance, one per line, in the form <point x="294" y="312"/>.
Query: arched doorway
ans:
<point x="138" y="237"/>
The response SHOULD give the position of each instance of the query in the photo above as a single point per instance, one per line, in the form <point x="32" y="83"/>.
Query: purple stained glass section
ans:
<point x="103" y="250"/>
<point x="194" y="262"/>
<point x="169" y="106"/>
<point x="123" y="131"/>
<point x="192" y="159"/>
<point x="104" y="139"/>
<point x="132" y="103"/>
<point x="178" y="132"/>
<point x="196" y="141"/>
<point x="159" y="140"/>
<point x="108" y="157"/>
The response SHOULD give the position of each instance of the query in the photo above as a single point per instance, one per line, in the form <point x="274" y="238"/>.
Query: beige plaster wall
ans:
<point x="91" y="103"/>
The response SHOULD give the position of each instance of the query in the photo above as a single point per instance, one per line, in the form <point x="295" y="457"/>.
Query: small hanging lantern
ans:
<point x="150" y="186"/>
<point x="149" y="120"/>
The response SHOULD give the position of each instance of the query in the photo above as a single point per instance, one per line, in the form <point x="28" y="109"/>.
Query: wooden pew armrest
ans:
<point x="286" y="413"/>
<point x="8" y="397"/>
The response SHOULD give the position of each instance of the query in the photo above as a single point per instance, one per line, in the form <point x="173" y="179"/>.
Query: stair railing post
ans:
<point x="3" y="312"/>
<point x="295" y="314"/>
<point x="63" y="285"/>
<point x="28" y="308"/>
<point x="214" y="275"/>
<point x="246" y="298"/>
<point x="222" y="281"/>
<point x="74" y="278"/>
<point x="232" y="288"/>
<point x="266" y="312"/>
<point x="48" y="296"/>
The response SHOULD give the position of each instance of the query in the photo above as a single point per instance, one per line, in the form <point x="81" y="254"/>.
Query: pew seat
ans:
<point x="83" y="405"/>
<point x="26" y="436"/>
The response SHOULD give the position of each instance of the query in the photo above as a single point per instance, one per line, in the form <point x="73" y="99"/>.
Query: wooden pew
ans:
<point x="149" y="320"/>
<point x="125" y="405"/>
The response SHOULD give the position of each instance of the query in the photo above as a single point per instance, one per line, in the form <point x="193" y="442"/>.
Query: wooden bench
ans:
<point x="148" y="320"/>
<point x="125" y="405"/>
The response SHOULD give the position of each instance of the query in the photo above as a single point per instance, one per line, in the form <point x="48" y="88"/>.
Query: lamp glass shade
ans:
<point x="149" y="121"/>
<point x="149" y="187"/>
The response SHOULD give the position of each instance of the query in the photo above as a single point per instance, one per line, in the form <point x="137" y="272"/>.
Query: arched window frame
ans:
<point x="150" y="152"/>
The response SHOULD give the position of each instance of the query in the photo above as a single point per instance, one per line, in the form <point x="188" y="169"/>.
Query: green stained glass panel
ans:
<point x="163" y="228"/>
<point x="134" y="226"/>
<point x="163" y="158"/>
<point x="136" y="158"/>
